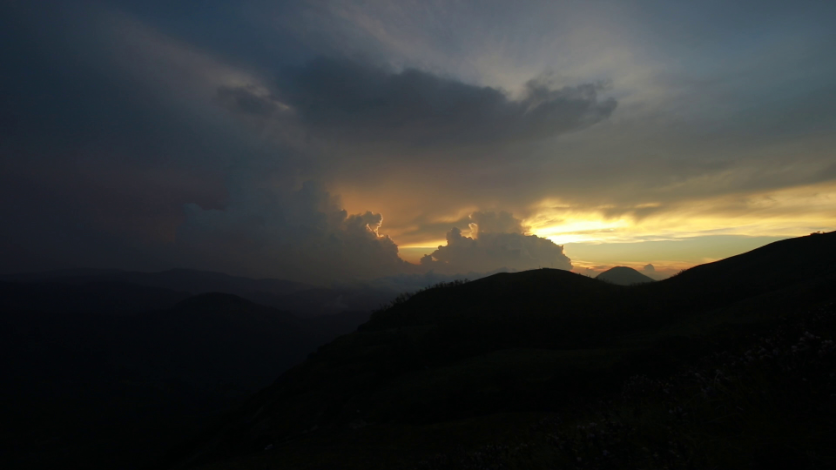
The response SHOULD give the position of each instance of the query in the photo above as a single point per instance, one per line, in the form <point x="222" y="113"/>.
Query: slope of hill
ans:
<point x="481" y="363"/>
<point x="300" y="299"/>
<point x="623" y="276"/>
<point x="94" y="297"/>
<point x="181" y="280"/>
<point x="107" y="375"/>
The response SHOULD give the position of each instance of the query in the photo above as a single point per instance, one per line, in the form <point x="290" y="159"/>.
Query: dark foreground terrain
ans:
<point x="727" y="365"/>
<point x="107" y="374"/>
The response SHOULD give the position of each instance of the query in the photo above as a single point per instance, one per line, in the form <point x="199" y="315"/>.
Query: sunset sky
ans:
<point x="323" y="141"/>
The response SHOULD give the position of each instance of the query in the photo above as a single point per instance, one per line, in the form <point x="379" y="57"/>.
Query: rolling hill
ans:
<point x="300" y="299"/>
<point x="109" y="374"/>
<point x="484" y="364"/>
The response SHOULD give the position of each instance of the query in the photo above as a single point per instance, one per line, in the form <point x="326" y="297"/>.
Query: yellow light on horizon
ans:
<point x="579" y="230"/>
<point x="788" y="212"/>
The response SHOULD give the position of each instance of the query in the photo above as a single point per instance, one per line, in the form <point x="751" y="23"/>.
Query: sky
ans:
<point x="324" y="141"/>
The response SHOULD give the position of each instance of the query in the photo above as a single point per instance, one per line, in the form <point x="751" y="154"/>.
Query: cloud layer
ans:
<point x="357" y="101"/>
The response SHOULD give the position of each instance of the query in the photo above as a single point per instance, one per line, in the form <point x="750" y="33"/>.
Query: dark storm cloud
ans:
<point x="357" y="101"/>
<point x="302" y="234"/>
<point x="130" y="171"/>
<point x="115" y="116"/>
<point x="96" y="163"/>
<point x="247" y="100"/>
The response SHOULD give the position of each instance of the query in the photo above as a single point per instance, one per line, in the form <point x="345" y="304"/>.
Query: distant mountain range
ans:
<point x="184" y="280"/>
<point x="297" y="298"/>
<point x="520" y="367"/>
<point x="102" y="373"/>
<point x="623" y="276"/>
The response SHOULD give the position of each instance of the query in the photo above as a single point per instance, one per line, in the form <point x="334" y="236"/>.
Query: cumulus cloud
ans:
<point x="494" y="222"/>
<point x="498" y="243"/>
<point x="356" y="101"/>
<point x="301" y="234"/>
<point x="304" y="234"/>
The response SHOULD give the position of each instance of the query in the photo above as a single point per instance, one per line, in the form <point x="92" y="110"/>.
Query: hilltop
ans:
<point x="623" y="276"/>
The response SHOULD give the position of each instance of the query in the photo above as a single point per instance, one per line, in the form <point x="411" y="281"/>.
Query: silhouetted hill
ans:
<point x="322" y="301"/>
<point x="773" y="266"/>
<point x="804" y="262"/>
<point x="228" y="306"/>
<point x="297" y="298"/>
<point x="182" y="280"/>
<point x="93" y="297"/>
<point x="464" y="365"/>
<point x="623" y="276"/>
<point x="106" y="375"/>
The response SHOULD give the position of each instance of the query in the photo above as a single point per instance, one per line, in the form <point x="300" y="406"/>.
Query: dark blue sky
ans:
<point x="328" y="141"/>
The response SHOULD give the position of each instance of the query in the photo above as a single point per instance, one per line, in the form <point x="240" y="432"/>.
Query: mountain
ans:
<point x="115" y="298"/>
<point x="623" y="276"/>
<point x="544" y="368"/>
<point x="767" y="268"/>
<point x="109" y="374"/>
<point x="300" y="299"/>
<point x="181" y="280"/>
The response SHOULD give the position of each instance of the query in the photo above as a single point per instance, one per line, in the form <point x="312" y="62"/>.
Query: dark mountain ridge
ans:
<point x="110" y="373"/>
<point x="457" y="356"/>
<point x="182" y="280"/>
<point x="117" y="298"/>
<point x="300" y="299"/>
<point x="771" y="267"/>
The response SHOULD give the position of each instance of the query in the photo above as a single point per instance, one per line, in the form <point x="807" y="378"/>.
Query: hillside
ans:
<point x="112" y="298"/>
<point x="108" y="375"/>
<point x="182" y="280"/>
<point x="300" y="299"/>
<point x="623" y="276"/>
<point x="465" y="366"/>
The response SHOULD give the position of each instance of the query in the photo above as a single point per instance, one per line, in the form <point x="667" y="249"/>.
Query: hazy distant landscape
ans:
<point x="112" y="368"/>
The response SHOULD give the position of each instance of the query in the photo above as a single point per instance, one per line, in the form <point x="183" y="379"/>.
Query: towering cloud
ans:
<point x="305" y="234"/>
<point x="301" y="234"/>
<point x="498" y="241"/>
